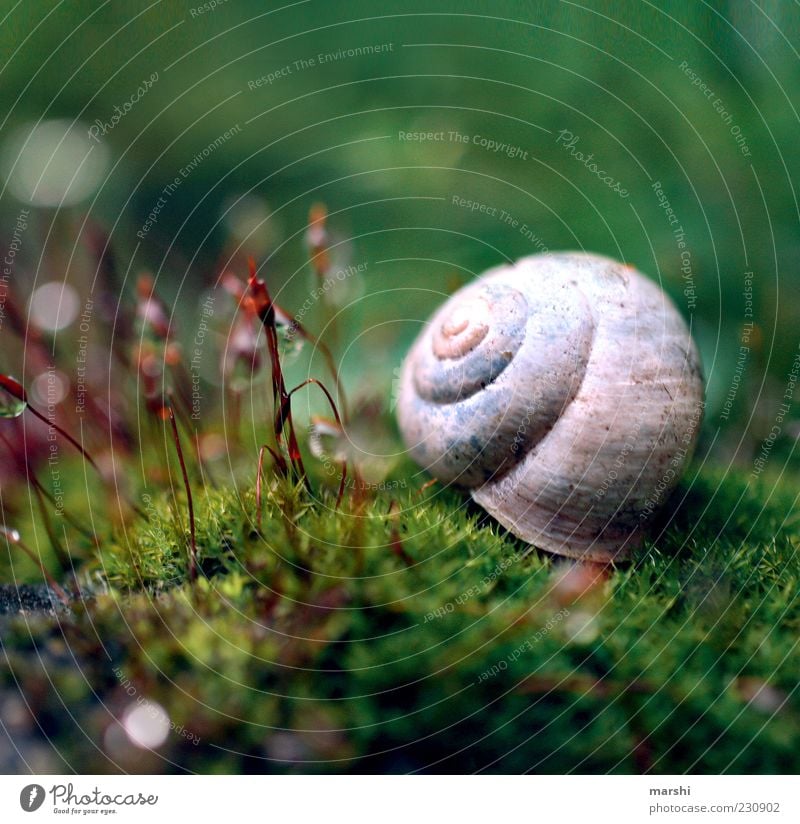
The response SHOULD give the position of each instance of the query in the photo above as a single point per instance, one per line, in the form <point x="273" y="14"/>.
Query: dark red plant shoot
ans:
<point x="150" y="352"/>
<point x="17" y="391"/>
<point x="267" y="310"/>
<point x="266" y="314"/>
<point x="292" y="326"/>
<point x="283" y="414"/>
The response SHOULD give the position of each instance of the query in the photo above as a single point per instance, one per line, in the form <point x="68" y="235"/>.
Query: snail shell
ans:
<point x="565" y="392"/>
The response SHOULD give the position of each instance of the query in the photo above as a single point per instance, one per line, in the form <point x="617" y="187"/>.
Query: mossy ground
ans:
<point x="412" y="634"/>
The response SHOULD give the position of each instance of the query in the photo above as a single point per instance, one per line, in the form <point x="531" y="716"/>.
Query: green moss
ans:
<point x="411" y="633"/>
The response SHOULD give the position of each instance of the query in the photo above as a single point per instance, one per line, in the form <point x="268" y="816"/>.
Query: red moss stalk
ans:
<point x="336" y="415"/>
<point x="16" y="390"/>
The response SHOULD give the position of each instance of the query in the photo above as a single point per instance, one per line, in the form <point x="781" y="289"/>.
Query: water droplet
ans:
<point x="290" y="344"/>
<point x="11" y="535"/>
<point x="328" y="441"/>
<point x="373" y="452"/>
<point x="10" y="405"/>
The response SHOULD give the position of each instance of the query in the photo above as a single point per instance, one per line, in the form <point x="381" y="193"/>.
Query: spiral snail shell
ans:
<point x="565" y="392"/>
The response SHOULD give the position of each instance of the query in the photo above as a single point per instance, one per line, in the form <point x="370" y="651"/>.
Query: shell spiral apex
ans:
<point x="565" y="392"/>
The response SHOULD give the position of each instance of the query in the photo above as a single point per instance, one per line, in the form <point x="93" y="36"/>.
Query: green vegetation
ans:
<point x="418" y="636"/>
<point x="402" y="630"/>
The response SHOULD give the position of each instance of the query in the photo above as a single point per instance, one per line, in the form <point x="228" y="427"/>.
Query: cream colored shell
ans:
<point x="565" y="392"/>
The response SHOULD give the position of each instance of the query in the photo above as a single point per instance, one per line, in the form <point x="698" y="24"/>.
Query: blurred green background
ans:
<point x="199" y="134"/>
<point x="699" y="97"/>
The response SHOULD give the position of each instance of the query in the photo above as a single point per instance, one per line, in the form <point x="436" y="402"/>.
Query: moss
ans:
<point x="409" y="632"/>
